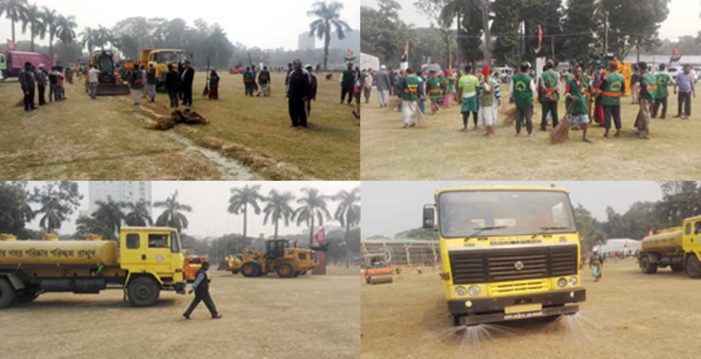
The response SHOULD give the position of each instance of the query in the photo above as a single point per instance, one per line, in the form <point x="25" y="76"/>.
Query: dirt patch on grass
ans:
<point x="626" y="315"/>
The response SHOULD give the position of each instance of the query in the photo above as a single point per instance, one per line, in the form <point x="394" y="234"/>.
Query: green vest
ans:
<point x="522" y="91"/>
<point x="662" y="83"/>
<point x="549" y="82"/>
<point x="247" y="77"/>
<point x="434" y="89"/>
<point x="578" y="93"/>
<point x="611" y="95"/>
<point x="651" y="84"/>
<point x="411" y="88"/>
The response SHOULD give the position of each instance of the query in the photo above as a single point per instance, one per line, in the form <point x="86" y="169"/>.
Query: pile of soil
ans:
<point x="187" y="117"/>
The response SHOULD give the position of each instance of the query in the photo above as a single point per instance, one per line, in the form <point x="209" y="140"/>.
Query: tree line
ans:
<point x="506" y="31"/>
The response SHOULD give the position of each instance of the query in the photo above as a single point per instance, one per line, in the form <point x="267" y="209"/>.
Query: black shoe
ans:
<point x="218" y="316"/>
<point x="186" y="316"/>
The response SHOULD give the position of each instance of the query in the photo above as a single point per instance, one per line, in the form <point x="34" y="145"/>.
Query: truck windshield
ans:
<point x="169" y="57"/>
<point x="174" y="242"/>
<point x="498" y="213"/>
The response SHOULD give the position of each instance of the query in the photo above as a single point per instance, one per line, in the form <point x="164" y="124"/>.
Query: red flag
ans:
<point x="320" y="236"/>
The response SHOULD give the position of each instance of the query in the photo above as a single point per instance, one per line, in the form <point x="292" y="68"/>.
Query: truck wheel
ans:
<point x="250" y="269"/>
<point x="285" y="270"/>
<point x="143" y="292"/>
<point x="677" y="267"/>
<point x="8" y="295"/>
<point x="235" y="271"/>
<point x="693" y="267"/>
<point x="27" y="296"/>
<point x="647" y="267"/>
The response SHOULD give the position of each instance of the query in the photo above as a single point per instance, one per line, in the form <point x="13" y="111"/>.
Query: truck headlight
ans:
<point x="562" y="282"/>
<point x="474" y="290"/>
<point x="573" y="281"/>
<point x="460" y="291"/>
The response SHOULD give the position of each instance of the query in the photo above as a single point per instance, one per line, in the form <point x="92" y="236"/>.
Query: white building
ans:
<point x="119" y="191"/>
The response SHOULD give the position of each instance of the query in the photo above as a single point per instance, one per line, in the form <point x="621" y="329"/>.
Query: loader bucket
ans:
<point x="379" y="279"/>
<point x="112" y="90"/>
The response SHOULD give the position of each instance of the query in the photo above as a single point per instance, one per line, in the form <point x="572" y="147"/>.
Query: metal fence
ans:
<point x="404" y="251"/>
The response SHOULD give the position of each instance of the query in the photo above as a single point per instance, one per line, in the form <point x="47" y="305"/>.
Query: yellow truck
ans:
<point x="507" y="252"/>
<point x="678" y="248"/>
<point x="278" y="257"/>
<point x="160" y="59"/>
<point x="145" y="261"/>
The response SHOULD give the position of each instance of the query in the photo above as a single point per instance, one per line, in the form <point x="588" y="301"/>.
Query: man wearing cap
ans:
<point x="186" y="78"/>
<point x="298" y="90"/>
<point x="648" y="94"/>
<point x="201" y="289"/>
<point x="384" y="85"/>
<point x="41" y="77"/>
<point x="613" y="87"/>
<point x="549" y="96"/>
<point x="488" y="101"/>
<point x="26" y="79"/>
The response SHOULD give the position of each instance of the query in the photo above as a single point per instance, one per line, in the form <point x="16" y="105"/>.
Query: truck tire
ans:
<point x="646" y="267"/>
<point x="235" y="271"/>
<point x="250" y="269"/>
<point x="693" y="266"/>
<point x="8" y="295"/>
<point x="143" y="292"/>
<point x="285" y="270"/>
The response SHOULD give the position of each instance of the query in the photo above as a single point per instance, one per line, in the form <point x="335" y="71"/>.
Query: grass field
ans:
<point x="247" y="138"/>
<point x="439" y="150"/>
<point x="311" y="316"/>
<point x="626" y="315"/>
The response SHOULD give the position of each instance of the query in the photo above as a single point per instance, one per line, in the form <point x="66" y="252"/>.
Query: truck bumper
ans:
<point x="490" y="310"/>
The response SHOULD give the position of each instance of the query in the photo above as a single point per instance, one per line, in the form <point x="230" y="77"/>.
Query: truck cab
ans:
<point x="507" y="252"/>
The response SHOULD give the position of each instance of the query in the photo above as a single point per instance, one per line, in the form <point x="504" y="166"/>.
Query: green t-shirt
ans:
<point x="411" y="88"/>
<point x="611" y="95"/>
<point x="434" y="88"/>
<point x="662" y="83"/>
<point x="247" y="77"/>
<point x="468" y="84"/>
<point x="578" y="93"/>
<point x="651" y="86"/>
<point x="550" y="79"/>
<point x="264" y="77"/>
<point x="522" y="91"/>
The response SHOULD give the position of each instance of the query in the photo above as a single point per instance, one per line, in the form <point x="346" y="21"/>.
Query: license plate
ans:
<point x="523" y="308"/>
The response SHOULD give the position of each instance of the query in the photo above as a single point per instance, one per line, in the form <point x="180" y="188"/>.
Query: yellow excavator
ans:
<point x="279" y="257"/>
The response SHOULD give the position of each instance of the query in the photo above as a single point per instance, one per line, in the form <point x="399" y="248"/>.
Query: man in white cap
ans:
<point x="41" y="77"/>
<point x="383" y="84"/>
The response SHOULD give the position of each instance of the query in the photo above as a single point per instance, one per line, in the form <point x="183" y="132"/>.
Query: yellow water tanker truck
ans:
<point x="678" y="248"/>
<point x="145" y="261"/>
<point x="507" y="252"/>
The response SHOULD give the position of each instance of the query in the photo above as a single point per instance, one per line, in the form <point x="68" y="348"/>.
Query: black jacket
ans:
<point x="187" y="77"/>
<point x="299" y="84"/>
<point x="172" y="80"/>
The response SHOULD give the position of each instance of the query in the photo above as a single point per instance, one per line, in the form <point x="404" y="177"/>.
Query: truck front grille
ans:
<point x="509" y="264"/>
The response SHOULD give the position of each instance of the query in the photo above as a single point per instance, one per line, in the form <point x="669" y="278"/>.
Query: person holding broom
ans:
<point x="613" y="87"/>
<point x="522" y="91"/>
<point x="435" y="90"/>
<point x="648" y="93"/>
<point x="577" y="90"/>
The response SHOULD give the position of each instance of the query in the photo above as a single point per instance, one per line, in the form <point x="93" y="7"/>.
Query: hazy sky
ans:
<point x="392" y="207"/>
<point x="262" y="23"/>
<point x="209" y="201"/>
<point x="683" y="18"/>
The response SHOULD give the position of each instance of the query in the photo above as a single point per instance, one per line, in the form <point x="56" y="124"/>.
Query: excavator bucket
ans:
<point x="112" y="90"/>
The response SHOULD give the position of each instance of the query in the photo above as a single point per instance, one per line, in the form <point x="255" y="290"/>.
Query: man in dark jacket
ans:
<point x="312" y="90"/>
<point x="186" y="79"/>
<point x="201" y="289"/>
<point x="298" y="93"/>
<point x="26" y="78"/>
<point x="347" y="83"/>
<point x="172" y="81"/>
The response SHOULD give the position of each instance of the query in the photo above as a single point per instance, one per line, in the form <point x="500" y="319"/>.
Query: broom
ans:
<point x="561" y="133"/>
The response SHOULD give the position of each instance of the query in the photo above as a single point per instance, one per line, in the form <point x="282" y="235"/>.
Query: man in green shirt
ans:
<point x="467" y="86"/>
<point x="347" y="83"/>
<point x="662" y="93"/>
<point x="577" y="90"/>
<point x="522" y="90"/>
<point x="248" y="82"/>
<point x="549" y="96"/>
<point x="613" y="87"/>
<point x="410" y="96"/>
<point x="435" y="90"/>
<point x="264" y="81"/>
<point x="648" y="94"/>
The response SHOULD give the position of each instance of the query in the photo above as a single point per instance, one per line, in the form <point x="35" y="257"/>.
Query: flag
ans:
<point x="320" y="236"/>
<point x="540" y="39"/>
<point x="676" y="54"/>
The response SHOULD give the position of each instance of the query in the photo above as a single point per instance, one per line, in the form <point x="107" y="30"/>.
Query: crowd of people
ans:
<point x="34" y="82"/>
<point x="592" y="97"/>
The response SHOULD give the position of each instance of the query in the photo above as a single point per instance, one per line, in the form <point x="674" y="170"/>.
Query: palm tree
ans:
<point x="103" y="36"/>
<point x="53" y="213"/>
<point x="137" y="214"/>
<point x="87" y="225"/>
<point x="278" y="208"/>
<point x="33" y="18"/>
<point x="172" y="216"/>
<point x="51" y="24"/>
<point x="110" y="214"/>
<point x="65" y="29"/>
<point x="87" y="39"/>
<point x="313" y="206"/>
<point x="348" y="211"/>
<point x="327" y="16"/>
<point x="241" y="198"/>
<point x="13" y="10"/>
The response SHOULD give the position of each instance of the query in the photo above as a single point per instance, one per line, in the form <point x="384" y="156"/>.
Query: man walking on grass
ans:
<point x="384" y="85"/>
<point x="662" y="93"/>
<point x="467" y="86"/>
<point x="685" y="86"/>
<point x="613" y="87"/>
<point x="648" y="94"/>
<point x="186" y="78"/>
<point x="201" y="289"/>
<point x="577" y="90"/>
<point x="549" y="96"/>
<point x="298" y="90"/>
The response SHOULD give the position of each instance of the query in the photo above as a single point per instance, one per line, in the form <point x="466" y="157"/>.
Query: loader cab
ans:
<point x="154" y="250"/>
<point x="276" y="248"/>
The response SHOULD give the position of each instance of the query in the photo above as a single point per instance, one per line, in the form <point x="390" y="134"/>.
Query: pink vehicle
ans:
<point x="16" y="59"/>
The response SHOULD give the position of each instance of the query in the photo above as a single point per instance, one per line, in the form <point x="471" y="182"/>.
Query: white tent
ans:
<point x="626" y="245"/>
<point x="369" y="62"/>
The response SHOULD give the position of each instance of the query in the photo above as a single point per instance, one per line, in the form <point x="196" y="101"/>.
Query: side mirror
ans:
<point x="429" y="217"/>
